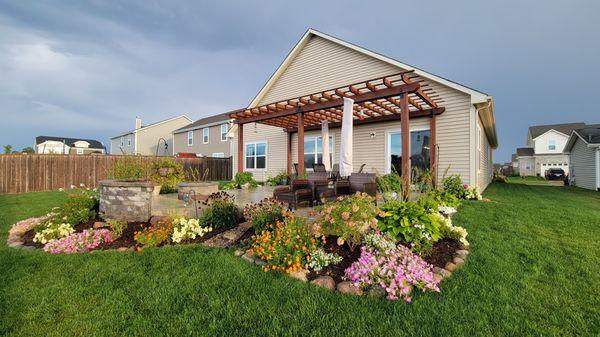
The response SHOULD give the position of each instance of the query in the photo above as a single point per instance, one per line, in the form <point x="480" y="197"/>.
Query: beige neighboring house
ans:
<point x="545" y="149"/>
<point x="64" y="145"/>
<point x="583" y="149"/>
<point x="206" y="137"/>
<point x="466" y="130"/>
<point x="149" y="139"/>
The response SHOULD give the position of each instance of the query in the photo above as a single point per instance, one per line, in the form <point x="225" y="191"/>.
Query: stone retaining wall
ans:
<point x="124" y="200"/>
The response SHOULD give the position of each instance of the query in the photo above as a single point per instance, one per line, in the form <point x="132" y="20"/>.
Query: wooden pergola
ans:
<point x="398" y="96"/>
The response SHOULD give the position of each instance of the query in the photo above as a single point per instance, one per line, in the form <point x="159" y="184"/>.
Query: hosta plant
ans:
<point x="348" y="218"/>
<point x="85" y="241"/>
<point x="187" y="229"/>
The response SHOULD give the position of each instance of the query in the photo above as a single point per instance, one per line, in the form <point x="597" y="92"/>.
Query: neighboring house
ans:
<point x="206" y="137"/>
<point x="64" y="145"/>
<point x="583" y="149"/>
<point x="544" y="150"/>
<point x="466" y="130"/>
<point x="149" y="140"/>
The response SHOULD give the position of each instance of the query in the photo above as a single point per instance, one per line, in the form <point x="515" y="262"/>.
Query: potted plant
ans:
<point x="166" y="175"/>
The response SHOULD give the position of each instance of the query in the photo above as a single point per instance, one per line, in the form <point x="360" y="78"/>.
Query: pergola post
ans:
<point x="240" y="149"/>
<point x="405" y="127"/>
<point x="433" y="149"/>
<point x="289" y="153"/>
<point x="300" y="143"/>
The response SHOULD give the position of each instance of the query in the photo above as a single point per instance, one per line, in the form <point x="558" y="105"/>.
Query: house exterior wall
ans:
<point x="544" y="162"/>
<point x="148" y="138"/>
<point x="485" y="165"/>
<point x="584" y="161"/>
<point x="527" y="166"/>
<point x="115" y="145"/>
<point x="322" y="65"/>
<point x="541" y="143"/>
<point x="215" y="145"/>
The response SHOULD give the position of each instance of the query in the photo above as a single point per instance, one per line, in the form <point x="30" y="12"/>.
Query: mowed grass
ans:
<point x="533" y="270"/>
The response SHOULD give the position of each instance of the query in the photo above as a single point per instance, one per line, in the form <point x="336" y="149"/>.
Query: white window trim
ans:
<point x="190" y="138"/>
<point x="331" y="150"/>
<point x="218" y="155"/>
<point x="207" y="135"/>
<point x="129" y="140"/>
<point x="122" y="141"/>
<point x="388" y="143"/>
<point x="266" y="156"/>
<point x="224" y="133"/>
<point x="551" y="142"/>
<point x="79" y="151"/>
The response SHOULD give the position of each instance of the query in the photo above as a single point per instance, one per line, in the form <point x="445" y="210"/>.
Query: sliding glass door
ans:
<point x="313" y="151"/>
<point x="419" y="150"/>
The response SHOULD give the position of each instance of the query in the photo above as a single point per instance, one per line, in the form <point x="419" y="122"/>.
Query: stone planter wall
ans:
<point x="200" y="188"/>
<point x="124" y="200"/>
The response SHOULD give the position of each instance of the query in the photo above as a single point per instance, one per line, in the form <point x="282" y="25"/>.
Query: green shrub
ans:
<point x="411" y="223"/>
<point x="281" y="179"/>
<point x="263" y="214"/>
<point x="454" y="185"/>
<point x="80" y="207"/>
<point x="220" y="211"/>
<point x="390" y="185"/>
<point x="168" y="173"/>
<point x="240" y="180"/>
<point x="129" y="168"/>
<point x="444" y="198"/>
<point x="117" y="227"/>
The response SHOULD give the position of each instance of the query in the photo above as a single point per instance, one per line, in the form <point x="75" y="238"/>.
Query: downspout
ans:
<point x="598" y="168"/>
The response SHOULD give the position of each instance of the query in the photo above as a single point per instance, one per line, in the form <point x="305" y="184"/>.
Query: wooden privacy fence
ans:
<point x="45" y="172"/>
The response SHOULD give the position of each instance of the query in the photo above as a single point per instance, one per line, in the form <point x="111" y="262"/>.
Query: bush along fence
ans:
<point x="21" y="173"/>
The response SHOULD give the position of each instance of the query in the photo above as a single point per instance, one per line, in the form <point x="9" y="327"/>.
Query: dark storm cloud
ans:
<point x="87" y="68"/>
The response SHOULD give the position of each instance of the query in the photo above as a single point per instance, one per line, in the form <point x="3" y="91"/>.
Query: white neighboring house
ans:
<point x="149" y="140"/>
<point x="64" y="145"/>
<point x="583" y="149"/>
<point x="544" y="150"/>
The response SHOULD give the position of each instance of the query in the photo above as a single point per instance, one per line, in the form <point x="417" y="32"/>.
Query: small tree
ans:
<point x="7" y="149"/>
<point x="28" y="149"/>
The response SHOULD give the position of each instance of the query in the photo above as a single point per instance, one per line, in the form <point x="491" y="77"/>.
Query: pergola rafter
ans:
<point x="397" y="96"/>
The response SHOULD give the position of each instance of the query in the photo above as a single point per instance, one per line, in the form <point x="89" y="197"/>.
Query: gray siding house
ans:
<point x="583" y="149"/>
<point x="149" y="139"/>
<point x="466" y="131"/>
<point x="206" y="137"/>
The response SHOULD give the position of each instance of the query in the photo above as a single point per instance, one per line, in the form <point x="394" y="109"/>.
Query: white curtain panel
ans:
<point x="325" y="137"/>
<point x="346" y="141"/>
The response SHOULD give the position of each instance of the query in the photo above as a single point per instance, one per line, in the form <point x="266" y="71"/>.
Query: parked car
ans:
<point x="555" y="174"/>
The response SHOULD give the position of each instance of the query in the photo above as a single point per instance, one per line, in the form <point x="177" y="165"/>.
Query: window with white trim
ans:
<point x="122" y="141"/>
<point x="205" y="135"/>
<point x="79" y="151"/>
<point x="218" y="155"/>
<point x="190" y="138"/>
<point x="256" y="155"/>
<point x="224" y="128"/>
<point x="129" y="140"/>
<point x="551" y="144"/>
<point x="313" y="151"/>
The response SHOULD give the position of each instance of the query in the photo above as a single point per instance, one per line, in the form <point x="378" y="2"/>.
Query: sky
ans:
<point x="87" y="68"/>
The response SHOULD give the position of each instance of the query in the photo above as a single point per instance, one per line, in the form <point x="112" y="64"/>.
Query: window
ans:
<point x="256" y="155"/>
<point x="313" y="151"/>
<point x="218" y="155"/>
<point x="205" y="134"/>
<point x="551" y="144"/>
<point x="122" y="141"/>
<point x="129" y="140"/>
<point x="419" y="150"/>
<point x="190" y="135"/>
<point x="224" y="128"/>
<point x="79" y="151"/>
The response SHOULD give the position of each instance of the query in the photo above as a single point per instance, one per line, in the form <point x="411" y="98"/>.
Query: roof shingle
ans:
<point x="567" y="128"/>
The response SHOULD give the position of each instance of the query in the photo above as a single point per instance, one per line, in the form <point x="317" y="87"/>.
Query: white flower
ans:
<point x="82" y="185"/>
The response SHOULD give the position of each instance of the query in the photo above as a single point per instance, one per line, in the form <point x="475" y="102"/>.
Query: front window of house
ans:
<point x="551" y="144"/>
<point x="218" y="155"/>
<point x="419" y="150"/>
<point x="128" y="140"/>
<point x="256" y="155"/>
<point x="205" y="134"/>
<point x="79" y="151"/>
<point x="190" y="138"/>
<point x="313" y="151"/>
<point x="224" y="132"/>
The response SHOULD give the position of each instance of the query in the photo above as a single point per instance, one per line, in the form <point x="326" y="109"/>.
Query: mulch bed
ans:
<point x="443" y="252"/>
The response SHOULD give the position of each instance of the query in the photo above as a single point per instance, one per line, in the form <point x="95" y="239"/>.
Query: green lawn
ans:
<point x="533" y="270"/>
<point x="533" y="181"/>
